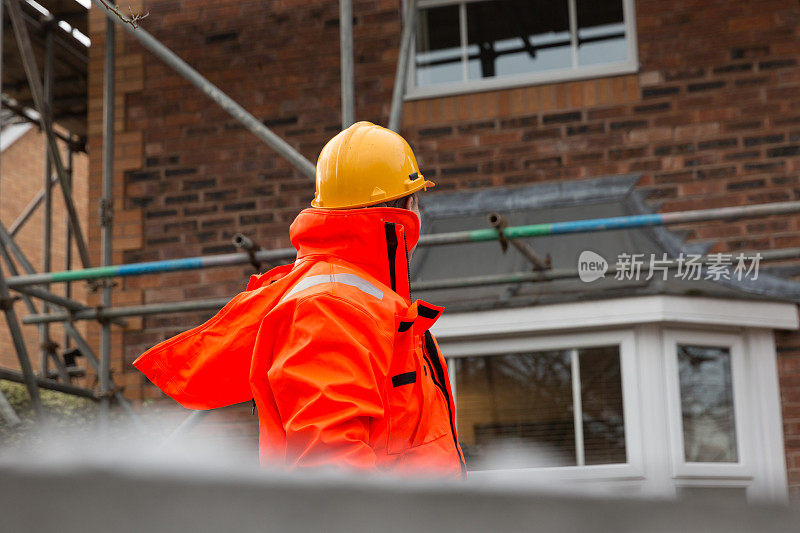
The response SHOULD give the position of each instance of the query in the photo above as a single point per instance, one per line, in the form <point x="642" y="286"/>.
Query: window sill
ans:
<point x="510" y="82"/>
<point x="567" y="473"/>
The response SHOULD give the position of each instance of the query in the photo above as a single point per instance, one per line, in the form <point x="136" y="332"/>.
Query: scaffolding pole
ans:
<point x="346" y="53"/>
<point x="398" y="92"/>
<point x="180" y="66"/>
<point x="107" y="217"/>
<point x="213" y="304"/>
<point x="614" y="223"/>
<point x="472" y="281"/>
<point x="152" y="267"/>
<point x="551" y="275"/>
<point x="49" y="384"/>
<point x="458" y="237"/>
<point x="47" y="220"/>
<point x="68" y="244"/>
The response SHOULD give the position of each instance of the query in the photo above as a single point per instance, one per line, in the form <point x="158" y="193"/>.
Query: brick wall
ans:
<point x="711" y="119"/>
<point x="23" y="177"/>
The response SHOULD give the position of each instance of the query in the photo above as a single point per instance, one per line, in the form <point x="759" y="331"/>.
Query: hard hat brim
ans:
<point x="419" y="184"/>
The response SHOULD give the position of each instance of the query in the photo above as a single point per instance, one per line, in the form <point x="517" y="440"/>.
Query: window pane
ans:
<point x="601" y="398"/>
<point x="516" y="410"/>
<point x="709" y="431"/>
<point x="601" y="32"/>
<point x="438" y="58"/>
<point x="507" y="37"/>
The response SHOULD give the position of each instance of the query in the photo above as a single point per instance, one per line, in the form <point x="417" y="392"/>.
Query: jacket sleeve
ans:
<point x="327" y="378"/>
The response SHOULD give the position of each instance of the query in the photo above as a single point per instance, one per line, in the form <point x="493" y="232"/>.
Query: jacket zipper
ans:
<point x="391" y="252"/>
<point x="408" y="268"/>
<point x="391" y="247"/>
<point x="426" y="351"/>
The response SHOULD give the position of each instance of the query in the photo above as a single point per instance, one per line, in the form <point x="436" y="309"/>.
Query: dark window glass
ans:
<point x="439" y="54"/>
<point x="706" y="384"/>
<point x="601" y="398"/>
<point x="517" y="410"/>
<point x="508" y="37"/>
<point x="601" y="32"/>
<point x="505" y="38"/>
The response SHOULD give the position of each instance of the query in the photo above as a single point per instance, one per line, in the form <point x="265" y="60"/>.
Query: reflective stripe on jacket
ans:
<point x="341" y="365"/>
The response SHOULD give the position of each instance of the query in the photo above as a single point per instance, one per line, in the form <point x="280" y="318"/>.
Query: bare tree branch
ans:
<point x="134" y="18"/>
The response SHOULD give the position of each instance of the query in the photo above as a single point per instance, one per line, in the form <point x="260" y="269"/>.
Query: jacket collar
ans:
<point x="376" y="239"/>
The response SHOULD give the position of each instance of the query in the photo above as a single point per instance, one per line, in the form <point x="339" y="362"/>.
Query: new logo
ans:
<point x="591" y="266"/>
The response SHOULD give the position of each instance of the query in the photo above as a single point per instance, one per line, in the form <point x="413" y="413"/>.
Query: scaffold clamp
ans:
<point x="106" y="211"/>
<point x="500" y="223"/>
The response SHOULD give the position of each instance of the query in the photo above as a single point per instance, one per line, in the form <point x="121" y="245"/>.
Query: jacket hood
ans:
<point x="376" y="239"/>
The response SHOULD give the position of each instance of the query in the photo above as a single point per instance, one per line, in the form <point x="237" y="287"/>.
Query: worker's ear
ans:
<point x="411" y="203"/>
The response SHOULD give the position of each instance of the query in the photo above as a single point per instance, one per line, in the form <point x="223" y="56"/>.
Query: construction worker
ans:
<point x="340" y="362"/>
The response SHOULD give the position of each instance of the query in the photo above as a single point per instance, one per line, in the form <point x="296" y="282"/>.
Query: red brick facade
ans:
<point x="711" y="119"/>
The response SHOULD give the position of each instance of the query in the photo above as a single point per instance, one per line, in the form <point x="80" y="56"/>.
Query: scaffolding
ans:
<point x="31" y="285"/>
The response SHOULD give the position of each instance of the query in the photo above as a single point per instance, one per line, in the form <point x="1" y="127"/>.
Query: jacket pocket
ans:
<point x="416" y="410"/>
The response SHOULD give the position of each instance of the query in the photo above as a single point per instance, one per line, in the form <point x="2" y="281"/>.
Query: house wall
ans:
<point x="711" y="119"/>
<point x="23" y="170"/>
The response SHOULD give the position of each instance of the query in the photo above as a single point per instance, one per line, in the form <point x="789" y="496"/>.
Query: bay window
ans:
<point x="658" y="395"/>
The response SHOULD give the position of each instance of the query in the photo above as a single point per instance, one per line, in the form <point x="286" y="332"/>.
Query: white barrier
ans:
<point x="69" y="498"/>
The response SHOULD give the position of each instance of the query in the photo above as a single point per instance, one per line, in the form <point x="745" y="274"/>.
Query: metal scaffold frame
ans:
<point x="63" y="309"/>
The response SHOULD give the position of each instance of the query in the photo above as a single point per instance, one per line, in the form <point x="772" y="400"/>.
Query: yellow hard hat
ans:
<point x="364" y="165"/>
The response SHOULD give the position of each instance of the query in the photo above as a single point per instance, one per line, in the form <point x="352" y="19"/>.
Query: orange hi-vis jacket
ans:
<point x="341" y="365"/>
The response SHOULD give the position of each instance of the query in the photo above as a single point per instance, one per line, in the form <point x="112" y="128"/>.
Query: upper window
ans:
<point x="474" y="45"/>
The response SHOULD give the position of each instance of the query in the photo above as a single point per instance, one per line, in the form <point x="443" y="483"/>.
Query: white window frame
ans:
<point x="741" y="411"/>
<point x="574" y="72"/>
<point x="632" y="469"/>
